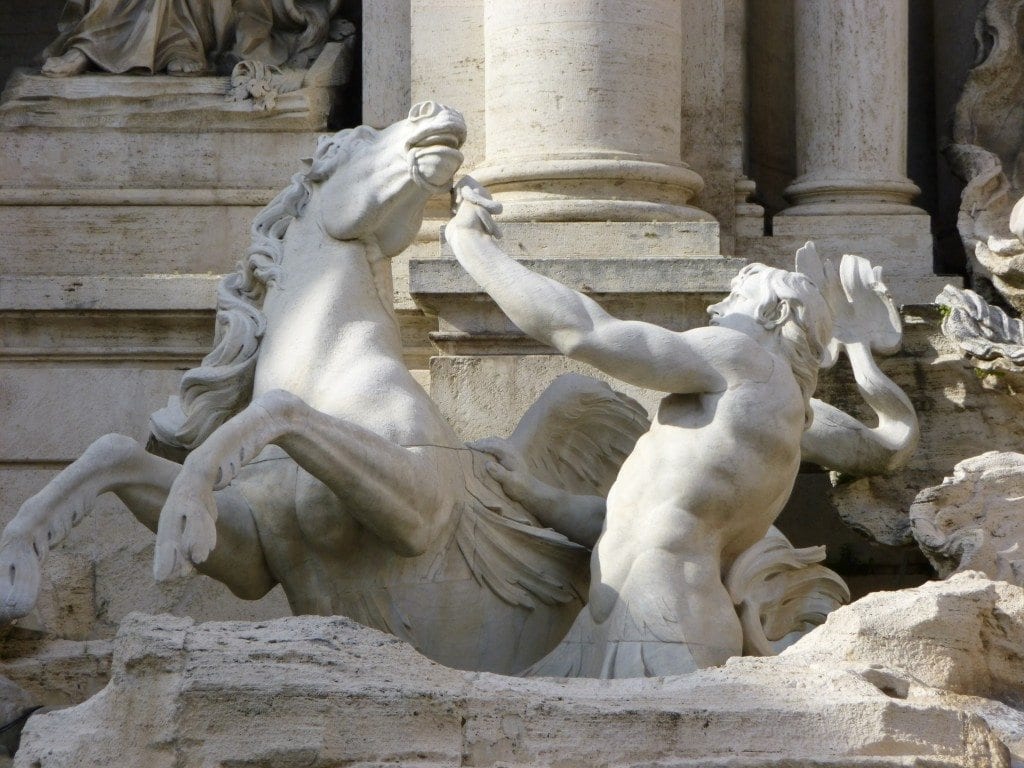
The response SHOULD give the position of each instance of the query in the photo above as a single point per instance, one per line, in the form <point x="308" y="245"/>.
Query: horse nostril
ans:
<point x="424" y="109"/>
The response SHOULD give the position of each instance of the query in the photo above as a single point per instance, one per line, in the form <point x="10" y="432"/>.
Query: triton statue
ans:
<point x="718" y="464"/>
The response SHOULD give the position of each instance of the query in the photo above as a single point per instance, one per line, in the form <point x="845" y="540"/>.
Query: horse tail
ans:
<point x="221" y="385"/>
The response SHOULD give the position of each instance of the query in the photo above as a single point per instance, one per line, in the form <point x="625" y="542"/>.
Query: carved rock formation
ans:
<point x="972" y="521"/>
<point x="325" y="691"/>
<point x="958" y="642"/>
<point x="982" y="331"/>
<point x="988" y="136"/>
<point x="15" y="707"/>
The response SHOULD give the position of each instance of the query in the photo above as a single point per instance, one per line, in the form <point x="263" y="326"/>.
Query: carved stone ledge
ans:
<point x="167" y="103"/>
<point x="673" y="292"/>
<point x="142" y="319"/>
<point x="351" y="695"/>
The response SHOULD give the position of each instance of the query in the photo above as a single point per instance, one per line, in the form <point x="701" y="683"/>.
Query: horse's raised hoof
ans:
<point x="187" y="532"/>
<point x="19" y="579"/>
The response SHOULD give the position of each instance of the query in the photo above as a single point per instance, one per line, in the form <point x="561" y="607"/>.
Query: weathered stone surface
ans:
<point x="15" y="705"/>
<point x="972" y="521"/>
<point x="13" y="701"/>
<point x="961" y="415"/>
<point x="166" y="102"/>
<point x="989" y="338"/>
<point x="324" y="691"/>
<point x="55" y="672"/>
<point x="962" y="638"/>
<point x="964" y="635"/>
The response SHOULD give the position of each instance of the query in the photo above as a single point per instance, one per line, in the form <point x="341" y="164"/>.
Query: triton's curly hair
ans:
<point x="807" y="330"/>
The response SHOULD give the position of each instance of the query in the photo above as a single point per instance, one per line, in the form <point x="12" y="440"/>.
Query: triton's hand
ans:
<point x="511" y="472"/>
<point x="475" y="207"/>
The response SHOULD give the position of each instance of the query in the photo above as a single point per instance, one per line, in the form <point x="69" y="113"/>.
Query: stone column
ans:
<point x="852" y="194"/>
<point x="583" y="117"/>
<point x="851" y="108"/>
<point x="583" y="111"/>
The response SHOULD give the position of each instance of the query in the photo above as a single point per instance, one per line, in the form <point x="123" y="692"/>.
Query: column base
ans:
<point x="852" y="197"/>
<point x="593" y="188"/>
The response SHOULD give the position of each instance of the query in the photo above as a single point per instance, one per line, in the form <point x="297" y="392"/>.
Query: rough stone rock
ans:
<point x="962" y="638"/>
<point x="13" y="701"/>
<point x="317" y="691"/>
<point x="987" y="153"/>
<point x="55" y="672"/>
<point x="964" y="635"/>
<point x="985" y="333"/>
<point x="972" y="521"/>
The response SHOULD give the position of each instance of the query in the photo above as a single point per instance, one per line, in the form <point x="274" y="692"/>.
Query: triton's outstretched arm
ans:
<point x="839" y="442"/>
<point x="639" y="353"/>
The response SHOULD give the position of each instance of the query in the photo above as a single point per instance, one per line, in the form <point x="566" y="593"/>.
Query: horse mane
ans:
<point x="221" y="385"/>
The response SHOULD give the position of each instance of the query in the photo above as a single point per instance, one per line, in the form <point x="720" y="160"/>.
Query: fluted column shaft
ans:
<point x="851" y="108"/>
<point x="583" y="111"/>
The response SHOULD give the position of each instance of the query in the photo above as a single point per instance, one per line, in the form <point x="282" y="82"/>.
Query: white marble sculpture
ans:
<point x="986" y="334"/>
<point x="716" y="467"/>
<point x="987" y="152"/>
<point x="315" y="459"/>
<point x="916" y="677"/>
<point x="185" y="37"/>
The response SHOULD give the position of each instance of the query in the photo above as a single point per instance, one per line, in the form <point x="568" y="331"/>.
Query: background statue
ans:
<point x="718" y="464"/>
<point x="188" y="36"/>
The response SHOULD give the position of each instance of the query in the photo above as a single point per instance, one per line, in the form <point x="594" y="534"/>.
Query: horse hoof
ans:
<point x="169" y="563"/>
<point x="19" y="580"/>
<point x="187" y="531"/>
<point x="199" y="535"/>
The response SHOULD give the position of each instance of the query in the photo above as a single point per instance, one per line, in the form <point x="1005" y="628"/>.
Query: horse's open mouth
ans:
<point x="443" y="132"/>
<point x="434" y="154"/>
<point x="440" y="139"/>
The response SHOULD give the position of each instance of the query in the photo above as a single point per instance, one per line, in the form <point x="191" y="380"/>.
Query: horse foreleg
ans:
<point x="45" y="518"/>
<point x="116" y="464"/>
<point x="400" y="493"/>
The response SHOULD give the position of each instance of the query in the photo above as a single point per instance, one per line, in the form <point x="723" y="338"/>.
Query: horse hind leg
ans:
<point x="43" y="520"/>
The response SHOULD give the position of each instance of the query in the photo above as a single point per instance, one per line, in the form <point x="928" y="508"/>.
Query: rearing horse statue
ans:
<point x="316" y="461"/>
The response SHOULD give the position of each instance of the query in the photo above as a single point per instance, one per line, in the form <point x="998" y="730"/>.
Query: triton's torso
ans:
<point x="710" y="476"/>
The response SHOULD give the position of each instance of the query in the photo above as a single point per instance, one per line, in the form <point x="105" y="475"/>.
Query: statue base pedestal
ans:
<point x="326" y="691"/>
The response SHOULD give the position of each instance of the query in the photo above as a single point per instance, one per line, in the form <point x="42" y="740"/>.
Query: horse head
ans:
<point x="374" y="184"/>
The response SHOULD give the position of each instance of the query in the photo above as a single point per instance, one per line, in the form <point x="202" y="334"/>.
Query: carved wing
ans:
<point x="574" y="437"/>
<point x="578" y="433"/>
<point x="521" y="563"/>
